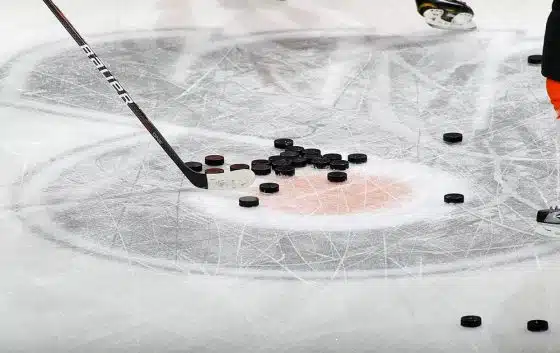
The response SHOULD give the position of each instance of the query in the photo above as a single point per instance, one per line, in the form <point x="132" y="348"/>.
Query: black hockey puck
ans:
<point x="280" y="163"/>
<point x="260" y="161"/>
<point x="340" y="165"/>
<point x="310" y="157"/>
<point x="357" y="158"/>
<point x="234" y="167"/>
<point x="214" y="171"/>
<point x="289" y="154"/>
<point x="261" y="169"/>
<point x="248" y="201"/>
<point x="332" y="156"/>
<point x="269" y="188"/>
<point x="337" y="177"/>
<point x="312" y="151"/>
<point x="299" y="162"/>
<point x="534" y="59"/>
<point x="320" y="163"/>
<point x="297" y="149"/>
<point x="453" y="137"/>
<point x="283" y="143"/>
<point x="471" y="321"/>
<point x="285" y="170"/>
<point x="275" y="158"/>
<point x="454" y="198"/>
<point x="537" y="325"/>
<point x="214" y="160"/>
<point x="197" y="167"/>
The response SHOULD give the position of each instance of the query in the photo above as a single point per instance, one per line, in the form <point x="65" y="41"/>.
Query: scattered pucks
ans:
<point x="281" y="163"/>
<point x="337" y="177"/>
<point x="299" y="162"/>
<point x="261" y="169"/>
<point x="275" y="158"/>
<point x="260" y="161"/>
<point x="214" y="171"/>
<point x="471" y="321"/>
<point x="248" y="201"/>
<point x="534" y="59"/>
<point x="312" y="151"/>
<point x="339" y="164"/>
<point x="320" y="163"/>
<point x="214" y="160"/>
<point x="289" y="154"/>
<point x="234" y="167"/>
<point x="285" y="170"/>
<point x="283" y="143"/>
<point x="453" y="137"/>
<point x="269" y="188"/>
<point x="332" y="156"/>
<point x="537" y="325"/>
<point x="197" y="167"/>
<point x="357" y="158"/>
<point x="454" y="198"/>
<point x="297" y="149"/>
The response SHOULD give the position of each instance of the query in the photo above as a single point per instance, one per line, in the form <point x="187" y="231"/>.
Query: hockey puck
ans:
<point x="283" y="143"/>
<point x="260" y="161"/>
<point x="285" y="170"/>
<point x="310" y="157"/>
<point x="337" y="177"/>
<point x="537" y="325"/>
<point x="357" y="158"/>
<point x="312" y="151"/>
<point x="453" y="137"/>
<point x="297" y="149"/>
<point x="235" y="167"/>
<point x="248" y="201"/>
<point x="454" y="198"/>
<point x="332" y="156"/>
<point x="269" y="188"/>
<point x="340" y="165"/>
<point x="299" y="162"/>
<point x="534" y="59"/>
<point x="214" y="171"/>
<point x="289" y="154"/>
<point x="471" y="321"/>
<point x="261" y="169"/>
<point x="214" y="160"/>
<point x="197" y="167"/>
<point x="275" y="158"/>
<point x="320" y="163"/>
<point x="281" y="163"/>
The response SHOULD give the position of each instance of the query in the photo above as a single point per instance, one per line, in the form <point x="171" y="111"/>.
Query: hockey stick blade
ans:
<point x="203" y="181"/>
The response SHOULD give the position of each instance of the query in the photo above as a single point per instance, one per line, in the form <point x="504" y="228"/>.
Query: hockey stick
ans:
<point x="228" y="180"/>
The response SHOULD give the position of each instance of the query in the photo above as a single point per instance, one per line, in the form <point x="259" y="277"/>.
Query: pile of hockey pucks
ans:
<point x="453" y="138"/>
<point x="474" y="321"/>
<point x="292" y="157"/>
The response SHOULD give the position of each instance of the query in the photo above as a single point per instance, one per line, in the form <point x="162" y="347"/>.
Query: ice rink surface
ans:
<point x="105" y="247"/>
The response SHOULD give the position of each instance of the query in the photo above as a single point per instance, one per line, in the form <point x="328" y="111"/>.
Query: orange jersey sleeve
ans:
<point x="553" y="89"/>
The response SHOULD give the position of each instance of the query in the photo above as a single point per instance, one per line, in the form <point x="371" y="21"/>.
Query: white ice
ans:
<point x="104" y="248"/>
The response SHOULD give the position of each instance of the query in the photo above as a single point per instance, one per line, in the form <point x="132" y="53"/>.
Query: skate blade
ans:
<point x="461" y="22"/>
<point x="548" y="231"/>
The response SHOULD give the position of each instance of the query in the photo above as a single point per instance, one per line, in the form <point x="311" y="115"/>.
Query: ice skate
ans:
<point x="447" y="14"/>
<point x="548" y="222"/>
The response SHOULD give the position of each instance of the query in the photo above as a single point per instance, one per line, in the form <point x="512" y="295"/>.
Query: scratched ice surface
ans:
<point x="389" y="97"/>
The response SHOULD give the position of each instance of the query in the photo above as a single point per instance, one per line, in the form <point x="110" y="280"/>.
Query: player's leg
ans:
<point x="551" y="55"/>
<point x="549" y="220"/>
<point x="446" y="14"/>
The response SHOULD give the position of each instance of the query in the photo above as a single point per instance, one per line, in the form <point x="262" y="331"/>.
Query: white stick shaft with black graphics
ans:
<point x="229" y="180"/>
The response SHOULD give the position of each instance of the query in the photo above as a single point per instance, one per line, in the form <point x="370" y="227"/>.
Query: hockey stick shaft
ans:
<point x="195" y="178"/>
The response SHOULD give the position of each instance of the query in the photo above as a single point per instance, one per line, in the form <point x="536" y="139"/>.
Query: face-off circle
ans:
<point x="313" y="225"/>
